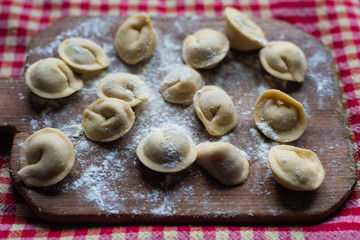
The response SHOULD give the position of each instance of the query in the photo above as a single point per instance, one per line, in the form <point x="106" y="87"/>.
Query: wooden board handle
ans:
<point x="7" y="133"/>
<point x="14" y="106"/>
<point x="11" y="112"/>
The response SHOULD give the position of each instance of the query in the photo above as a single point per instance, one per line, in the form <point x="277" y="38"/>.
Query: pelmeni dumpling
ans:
<point x="223" y="161"/>
<point x="242" y="32"/>
<point x="52" y="78"/>
<point x="279" y="116"/>
<point x="136" y="39"/>
<point x="83" y="55"/>
<point x="124" y="86"/>
<point x="215" y="109"/>
<point x="296" y="168"/>
<point x="205" y="49"/>
<point x="107" y="119"/>
<point x="180" y="85"/>
<point x="167" y="150"/>
<point x="46" y="157"/>
<point x="284" y="60"/>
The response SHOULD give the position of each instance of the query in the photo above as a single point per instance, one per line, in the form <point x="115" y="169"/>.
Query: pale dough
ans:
<point x="136" y="39"/>
<point x="46" y="157"/>
<point x="83" y="55"/>
<point x="107" y="119"/>
<point x="124" y="86"/>
<point x="215" y="109"/>
<point x="296" y="168"/>
<point x="284" y="60"/>
<point x="242" y="32"/>
<point x="51" y="78"/>
<point x="167" y="150"/>
<point x="223" y="161"/>
<point x="180" y="85"/>
<point x="279" y="116"/>
<point x="204" y="49"/>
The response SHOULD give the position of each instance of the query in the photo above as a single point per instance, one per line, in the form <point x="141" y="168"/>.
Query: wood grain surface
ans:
<point x="119" y="189"/>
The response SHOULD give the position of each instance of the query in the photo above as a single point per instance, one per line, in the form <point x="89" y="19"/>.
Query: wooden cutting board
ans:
<point x="109" y="184"/>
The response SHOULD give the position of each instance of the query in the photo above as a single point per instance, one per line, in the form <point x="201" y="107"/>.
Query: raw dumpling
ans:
<point x="136" y="39"/>
<point x="279" y="116"/>
<point x="205" y="49"/>
<point x="215" y="109"/>
<point x="284" y="60"/>
<point x="296" y="168"/>
<point x="242" y="32"/>
<point x="124" y="86"/>
<point x="52" y="78"/>
<point x="83" y="55"/>
<point x="223" y="161"/>
<point x="107" y="119"/>
<point x="167" y="150"/>
<point x="46" y="158"/>
<point x="180" y="85"/>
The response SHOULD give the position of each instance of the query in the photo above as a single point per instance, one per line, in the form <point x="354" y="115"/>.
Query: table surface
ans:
<point x="336" y="24"/>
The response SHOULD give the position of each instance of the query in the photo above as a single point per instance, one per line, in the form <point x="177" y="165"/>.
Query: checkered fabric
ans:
<point x="336" y="23"/>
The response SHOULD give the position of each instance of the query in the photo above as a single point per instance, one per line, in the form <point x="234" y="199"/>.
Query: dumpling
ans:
<point x="51" y="78"/>
<point x="296" y="168"/>
<point x="107" y="119"/>
<point x="83" y="55"/>
<point x="223" y="161"/>
<point x="167" y="150"/>
<point x="46" y="157"/>
<point x="205" y="49"/>
<point x="242" y="32"/>
<point x="284" y="60"/>
<point x="279" y="116"/>
<point x="124" y="86"/>
<point x="136" y="39"/>
<point x="215" y="109"/>
<point x="180" y="85"/>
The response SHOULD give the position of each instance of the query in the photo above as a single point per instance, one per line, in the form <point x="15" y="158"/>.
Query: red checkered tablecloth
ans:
<point x="336" y="23"/>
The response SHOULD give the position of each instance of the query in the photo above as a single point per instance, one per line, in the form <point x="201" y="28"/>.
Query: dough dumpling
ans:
<point x="279" y="116"/>
<point x="83" y="55"/>
<point x="124" y="86"/>
<point x="242" y="32"/>
<point x="51" y="78"/>
<point x="223" y="161"/>
<point x="167" y="150"/>
<point x="136" y="39"/>
<point x="107" y="119"/>
<point x="215" y="109"/>
<point x="284" y="60"/>
<point x="46" y="158"/>
<point x="296" y="168"/>
<point x="205" y="49"/>
<point x="180" y="85"/>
